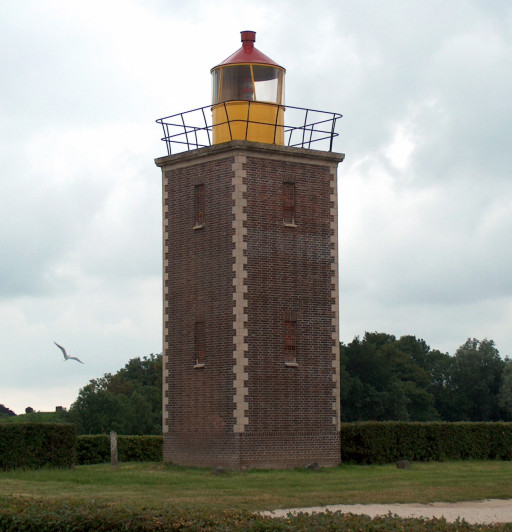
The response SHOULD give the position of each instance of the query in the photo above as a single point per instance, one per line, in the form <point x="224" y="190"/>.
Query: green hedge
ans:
<point x="96" y="449"/>
<point x="40" y="515"/>
<point x="366" y="443"/>
<point x="34" y="445"/>
<point x="385" y="442"/>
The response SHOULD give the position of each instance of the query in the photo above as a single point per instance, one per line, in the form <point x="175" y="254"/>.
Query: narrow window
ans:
<point x="290" y="342"/>
<point x="199" y="205"/>
<point x="199" y="343"/>
<point x="289" y="203"/>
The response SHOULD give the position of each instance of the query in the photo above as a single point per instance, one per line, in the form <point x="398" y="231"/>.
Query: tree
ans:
<point x="476" y="378"/>
<point x="505" y="393"/>
<point x="129" y="402"/>
<point x="6" y="412"/>
<point x="382" y="379"/>
<point x="437" y="367"/>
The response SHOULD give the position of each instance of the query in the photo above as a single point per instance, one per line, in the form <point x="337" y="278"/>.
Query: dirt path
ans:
<point x="488" y="511"/>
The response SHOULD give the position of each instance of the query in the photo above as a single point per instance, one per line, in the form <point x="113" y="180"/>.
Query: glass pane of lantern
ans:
<point x="237" y="83"/>
<point x="216" y="85"/>
<point x="266" y="83"/>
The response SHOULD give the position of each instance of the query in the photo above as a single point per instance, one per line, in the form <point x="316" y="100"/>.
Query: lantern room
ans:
<point x="248" y="96"/>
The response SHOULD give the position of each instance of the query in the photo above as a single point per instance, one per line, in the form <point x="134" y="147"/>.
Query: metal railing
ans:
<point x="303" y="127"/>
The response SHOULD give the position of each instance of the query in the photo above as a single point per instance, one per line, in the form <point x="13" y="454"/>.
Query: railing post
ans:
<point x="275" y="123"/>
<point x="247" y="119"/>
<point x="304" y="127"/>
<point x="185" y="129"/>
<point x="165" y="127"/>
<point x="332" y="131"/>
<point x="227" y="121"/>
<point x="206" y="127"/>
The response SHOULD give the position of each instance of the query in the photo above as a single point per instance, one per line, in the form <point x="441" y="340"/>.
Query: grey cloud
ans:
<point x="423" y="236"/>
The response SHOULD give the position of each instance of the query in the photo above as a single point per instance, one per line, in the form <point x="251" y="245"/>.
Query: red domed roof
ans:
<point x="248" y="53"/>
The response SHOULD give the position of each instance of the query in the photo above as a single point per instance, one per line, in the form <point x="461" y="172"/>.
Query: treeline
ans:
<point x="388" y="379"/>
<point x="382" y="379"/>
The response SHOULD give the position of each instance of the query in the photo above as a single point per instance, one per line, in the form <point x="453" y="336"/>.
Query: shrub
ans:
<point x="389" y="441"/>
<point x="33" y="445"/>
<point x="140" y="448"/>
<point x="93" y="449"/>
<point x="46" y="516"/>
<point x="96" y="449"/>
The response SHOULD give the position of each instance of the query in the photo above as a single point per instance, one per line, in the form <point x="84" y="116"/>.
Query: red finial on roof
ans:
<point x="248" y="40"/>
<point x="248" y="53"/>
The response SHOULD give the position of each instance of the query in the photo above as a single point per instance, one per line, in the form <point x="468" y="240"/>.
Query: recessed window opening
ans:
<point x="290" y="341"/>
<point x="199" y="205"/>
<point x="289" y="203"/>
<point x="200" y="341"/>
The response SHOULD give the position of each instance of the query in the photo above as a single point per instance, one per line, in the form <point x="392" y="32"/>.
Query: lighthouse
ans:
<point x="250" y="275"/>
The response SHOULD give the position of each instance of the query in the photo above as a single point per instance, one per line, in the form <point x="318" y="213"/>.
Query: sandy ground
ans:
<point x="488" y="511"/>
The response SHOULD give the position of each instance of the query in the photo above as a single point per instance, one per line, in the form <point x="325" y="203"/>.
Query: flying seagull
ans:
<point x="66" y="356"/>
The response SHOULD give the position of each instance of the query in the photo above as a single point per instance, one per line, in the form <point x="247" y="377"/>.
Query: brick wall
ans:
<point x="245" y="273"/>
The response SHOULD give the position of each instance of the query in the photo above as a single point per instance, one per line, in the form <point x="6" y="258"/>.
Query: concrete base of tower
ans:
<point x="271" y="450"/>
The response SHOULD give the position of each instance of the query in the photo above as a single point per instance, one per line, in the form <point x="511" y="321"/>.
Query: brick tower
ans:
<point x="251" y="357"/>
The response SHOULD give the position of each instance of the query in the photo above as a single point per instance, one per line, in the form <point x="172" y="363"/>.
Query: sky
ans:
<point x="425" y="191"/>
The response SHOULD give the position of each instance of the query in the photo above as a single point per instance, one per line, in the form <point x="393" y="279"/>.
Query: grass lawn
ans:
<point x="161" y="485"/>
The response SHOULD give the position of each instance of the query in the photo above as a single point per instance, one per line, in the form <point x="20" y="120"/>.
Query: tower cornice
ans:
<point x="242" y="147"/>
